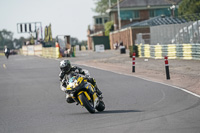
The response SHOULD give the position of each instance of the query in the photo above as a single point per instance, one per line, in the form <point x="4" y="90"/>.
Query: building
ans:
<point x="139" y="10"/>
<point x="133" y="13"/>
<point x="97" y="29"/>
<point x="99" y="22"/>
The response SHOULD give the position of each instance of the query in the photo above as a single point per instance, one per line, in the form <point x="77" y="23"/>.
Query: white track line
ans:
<point x="146" y="80"/>
<point x="4" y="66"/>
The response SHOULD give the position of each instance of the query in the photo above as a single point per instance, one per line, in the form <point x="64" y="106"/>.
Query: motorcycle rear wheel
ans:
<point x="87" y="103"/>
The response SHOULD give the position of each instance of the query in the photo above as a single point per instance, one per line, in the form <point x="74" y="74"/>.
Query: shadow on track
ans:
<point x="109" y="112"/>
<point x="118" y="111"/>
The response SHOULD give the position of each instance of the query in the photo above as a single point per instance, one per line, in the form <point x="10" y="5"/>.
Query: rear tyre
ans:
<point x="101" y="106"/>
<point x="88" y="105"/>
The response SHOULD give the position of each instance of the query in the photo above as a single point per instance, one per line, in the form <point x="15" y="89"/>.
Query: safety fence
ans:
<point x="173" y="51"/>
<point x="38" y="50"/>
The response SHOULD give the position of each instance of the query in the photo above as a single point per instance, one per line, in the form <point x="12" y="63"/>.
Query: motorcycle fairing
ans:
<point x="80" y="86"/>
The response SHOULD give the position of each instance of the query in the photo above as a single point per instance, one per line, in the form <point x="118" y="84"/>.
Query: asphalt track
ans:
<point x="31" y="102"/>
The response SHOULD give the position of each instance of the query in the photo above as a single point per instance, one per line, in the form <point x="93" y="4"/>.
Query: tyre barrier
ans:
<point x="52" y="52"/>
<point x="173" y="51"/>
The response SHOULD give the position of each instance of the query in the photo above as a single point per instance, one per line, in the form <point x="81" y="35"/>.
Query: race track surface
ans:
<point x="32" y="102"/>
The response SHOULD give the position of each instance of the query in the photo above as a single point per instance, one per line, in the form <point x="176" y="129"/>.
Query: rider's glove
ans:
<point x="76" y="71"/>
<point x="64" y="84"/>
<point x="63" y="88"/>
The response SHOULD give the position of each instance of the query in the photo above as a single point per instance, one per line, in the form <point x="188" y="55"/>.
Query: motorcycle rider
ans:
<point x="6" y="51"/>
<point x="68" y="71"/>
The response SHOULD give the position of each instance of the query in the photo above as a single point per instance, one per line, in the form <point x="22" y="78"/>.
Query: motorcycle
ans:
<point x="7" y="53"/>
<point x="83" y="93"/>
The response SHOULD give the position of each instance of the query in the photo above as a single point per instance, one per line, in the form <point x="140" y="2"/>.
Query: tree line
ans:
<point x="186" y="7"/>
<point x="6" y="38"/>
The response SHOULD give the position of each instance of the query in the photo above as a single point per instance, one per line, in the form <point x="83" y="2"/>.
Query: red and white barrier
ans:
<point x="133" y="63"/>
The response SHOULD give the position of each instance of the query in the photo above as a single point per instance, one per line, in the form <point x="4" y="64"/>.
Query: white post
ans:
<point x="119" y="19"/>
<point x="109" y="3"/>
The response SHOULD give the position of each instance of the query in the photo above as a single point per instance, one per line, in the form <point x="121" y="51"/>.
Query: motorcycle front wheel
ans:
<point x="86" y="103"/>
<point x="101" y="106"/>
<point x="7" y="56"/>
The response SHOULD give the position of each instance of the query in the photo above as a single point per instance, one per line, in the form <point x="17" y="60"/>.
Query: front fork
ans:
<point x="94" y="98"/>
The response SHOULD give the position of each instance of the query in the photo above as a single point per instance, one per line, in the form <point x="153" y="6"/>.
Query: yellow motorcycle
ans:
<point x="83" y="93"/>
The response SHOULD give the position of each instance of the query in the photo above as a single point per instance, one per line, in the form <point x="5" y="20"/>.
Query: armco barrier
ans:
<point x="50" y="52"/>
<point x="173" y="51"/>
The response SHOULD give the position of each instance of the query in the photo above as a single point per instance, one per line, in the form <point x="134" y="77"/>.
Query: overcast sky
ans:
<point x="70" y="17"/>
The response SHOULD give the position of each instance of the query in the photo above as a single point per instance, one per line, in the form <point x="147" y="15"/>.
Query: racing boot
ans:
<point x="99" y="93"/>
<point x="93" y="82"/>
<point x="69" y="99"/>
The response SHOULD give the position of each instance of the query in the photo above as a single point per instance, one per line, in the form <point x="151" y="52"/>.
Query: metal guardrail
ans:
<point x="173" y="51"/>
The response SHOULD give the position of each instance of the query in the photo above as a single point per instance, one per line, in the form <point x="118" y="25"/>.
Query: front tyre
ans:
<point x="7" y="55"/>
<point x="88" y="105"/>
<point x="101" y="106"/>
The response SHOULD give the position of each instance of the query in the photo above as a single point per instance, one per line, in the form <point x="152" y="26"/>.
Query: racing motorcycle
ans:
<point x="83" y="93"/>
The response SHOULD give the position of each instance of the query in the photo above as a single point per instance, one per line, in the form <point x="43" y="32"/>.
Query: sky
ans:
<point x="67" y="17"/>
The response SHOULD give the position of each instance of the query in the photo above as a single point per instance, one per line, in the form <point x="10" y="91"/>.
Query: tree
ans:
<point x="103" y="5"/>
<point x="74" y="41"/>
<point x="6" y="38"/>
<point x="109" y="26"/>
<point x="17" y="43"/>
<point x="187" y="7"/>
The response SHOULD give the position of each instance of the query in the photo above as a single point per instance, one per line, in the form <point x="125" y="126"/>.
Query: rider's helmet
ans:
<point x="65" y="66"/>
